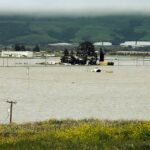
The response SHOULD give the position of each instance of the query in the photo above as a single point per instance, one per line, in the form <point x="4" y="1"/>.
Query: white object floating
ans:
<point x="96" y="70"/>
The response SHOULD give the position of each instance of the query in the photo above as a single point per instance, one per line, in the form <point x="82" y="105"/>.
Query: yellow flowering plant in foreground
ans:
<point x="76" y="135"/>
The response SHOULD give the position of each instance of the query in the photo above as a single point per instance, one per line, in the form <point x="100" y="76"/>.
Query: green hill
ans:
<point x="34" y="30"/>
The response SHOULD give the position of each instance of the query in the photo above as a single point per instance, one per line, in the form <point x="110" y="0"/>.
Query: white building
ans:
<point x="19" y="54"/>
<point x="135" y="44"/>
<point x="60" y="44"/>
<point x="102" y="44"/>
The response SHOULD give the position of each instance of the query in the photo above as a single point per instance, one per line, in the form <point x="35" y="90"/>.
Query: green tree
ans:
<point x="22" y="48"/>
<point x="65" y="58"/>
<point x="66" y="53"/>
<point x="17" y="47"/>
<point x="36" y="48"/>
<point x="86" y="52"/>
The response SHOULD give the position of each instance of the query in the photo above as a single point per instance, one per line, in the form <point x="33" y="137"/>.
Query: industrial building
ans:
<point x="19" y="54"/>
<point x="135" y="44"/>
<point x="102" y="44"/>
<point x="60" y="44"/>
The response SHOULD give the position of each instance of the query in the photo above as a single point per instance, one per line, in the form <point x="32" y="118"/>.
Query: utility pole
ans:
<point x="11" y="107"/>
<point x="3" y="62"/>
<point x="28" y="71"/>
<point x="45" y="61"/>
<point x="7" y="61"/>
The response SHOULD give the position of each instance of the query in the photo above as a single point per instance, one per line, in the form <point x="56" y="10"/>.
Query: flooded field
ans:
<point x="34" y="62"/>
<point x="61" y="92"/>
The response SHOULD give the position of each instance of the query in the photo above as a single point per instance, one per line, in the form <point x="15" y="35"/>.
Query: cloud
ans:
<point x="74" y="7"/>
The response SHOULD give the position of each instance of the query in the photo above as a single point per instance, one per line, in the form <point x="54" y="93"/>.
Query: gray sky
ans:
<point x="75" y="7"/>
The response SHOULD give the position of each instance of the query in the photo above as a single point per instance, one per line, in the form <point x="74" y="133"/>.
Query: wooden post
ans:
<point x="45" y="61"/>
<point x="28" y="71"/>
<point x="3" y="61"/>
<point x="11" y="107"/>
<point x="137" y="61"/>
<point x="7" y="61"/>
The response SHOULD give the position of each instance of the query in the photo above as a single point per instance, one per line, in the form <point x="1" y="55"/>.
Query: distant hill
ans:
<point x="34" y="30"/>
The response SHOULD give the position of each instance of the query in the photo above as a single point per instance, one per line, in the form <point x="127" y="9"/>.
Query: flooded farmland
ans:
<point x="62" y="92"/>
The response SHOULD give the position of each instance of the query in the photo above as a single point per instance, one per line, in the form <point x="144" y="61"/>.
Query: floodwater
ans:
<point x="74" y="92"/>
<point x="34" y="62"/>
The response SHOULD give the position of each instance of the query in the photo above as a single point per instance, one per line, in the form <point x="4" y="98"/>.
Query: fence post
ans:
<point x="137" y="61"/>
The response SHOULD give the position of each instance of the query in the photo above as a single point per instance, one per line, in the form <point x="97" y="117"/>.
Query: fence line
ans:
<point x="45" y="62"/>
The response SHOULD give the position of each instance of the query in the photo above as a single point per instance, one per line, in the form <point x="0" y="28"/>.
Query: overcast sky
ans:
<point x="75" y="7"/>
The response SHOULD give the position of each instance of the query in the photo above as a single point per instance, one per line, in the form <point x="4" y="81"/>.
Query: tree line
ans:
<point x="22" y="47"/>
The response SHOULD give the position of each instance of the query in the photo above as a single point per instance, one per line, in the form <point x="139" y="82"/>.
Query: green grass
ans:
<point x="76" y="135"/>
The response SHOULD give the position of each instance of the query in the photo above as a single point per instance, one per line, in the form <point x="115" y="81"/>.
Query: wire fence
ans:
<point x="19" y="62"/>
<point x="129" y="60"/>
<point x="39" y="62"/>
<point x="28" y="62"/>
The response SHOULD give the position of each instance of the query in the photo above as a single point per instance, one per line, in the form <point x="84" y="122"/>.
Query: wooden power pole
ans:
<point x="11" y="107"/>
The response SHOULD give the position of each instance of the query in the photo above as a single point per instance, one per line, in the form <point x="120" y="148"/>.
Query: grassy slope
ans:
<point x="76" y="135"/>
<point x="45" y="30"/>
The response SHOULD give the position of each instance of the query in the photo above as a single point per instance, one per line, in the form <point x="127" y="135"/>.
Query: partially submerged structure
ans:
<point x="84" y="54"/>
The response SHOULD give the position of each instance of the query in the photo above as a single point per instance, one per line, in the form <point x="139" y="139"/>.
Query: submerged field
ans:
<point x="119" y="94"/>
<point x="76" y="135"/>
<point x="62" y="92"/>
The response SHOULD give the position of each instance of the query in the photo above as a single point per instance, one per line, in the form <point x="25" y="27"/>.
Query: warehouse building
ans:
<point x="135" y="44"/>
<point x="19" y="54"/>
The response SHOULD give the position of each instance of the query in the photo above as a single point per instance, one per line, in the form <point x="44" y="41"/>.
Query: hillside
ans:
<point x="34" y="30"/>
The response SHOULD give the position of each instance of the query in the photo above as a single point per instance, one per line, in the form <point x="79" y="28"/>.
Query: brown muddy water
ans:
<point x="62" y="92"/>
